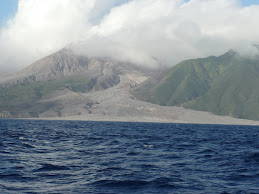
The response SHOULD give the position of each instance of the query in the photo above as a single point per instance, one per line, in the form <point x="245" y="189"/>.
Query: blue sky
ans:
<point x="250" y="2"/>
<point x="125" y="32"/>
<point x="8" y="8"/>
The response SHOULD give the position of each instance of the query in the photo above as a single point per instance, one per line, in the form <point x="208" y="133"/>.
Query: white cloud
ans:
<point x="41" y="27"/>
<point x="146" y="32"/>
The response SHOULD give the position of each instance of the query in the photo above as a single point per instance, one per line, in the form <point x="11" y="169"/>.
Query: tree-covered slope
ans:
<point x="21" y="99"/>
<point x="224" y="85"/>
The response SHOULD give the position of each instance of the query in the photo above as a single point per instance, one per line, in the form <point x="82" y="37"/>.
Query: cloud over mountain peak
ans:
<point x="146" y="32"/>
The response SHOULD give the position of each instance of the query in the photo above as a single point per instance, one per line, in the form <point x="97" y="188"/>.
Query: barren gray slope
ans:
<point x="117" y="104"/>
<point x="65" y="63"/>
<point x="110" y="98"/>
<point x="60" y="64"/>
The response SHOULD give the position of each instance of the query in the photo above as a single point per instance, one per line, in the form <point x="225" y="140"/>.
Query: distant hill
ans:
<point x="65" y="84"/>
<point x="60" y="64"/>
<point x="224" y="85"/>
<point x="21" y="94"/>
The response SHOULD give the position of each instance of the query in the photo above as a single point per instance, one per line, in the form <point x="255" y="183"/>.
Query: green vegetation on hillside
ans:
<point x="225" y="85"/>
<point x="21" y="97"/>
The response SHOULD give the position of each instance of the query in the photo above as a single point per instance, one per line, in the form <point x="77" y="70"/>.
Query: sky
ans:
<point x="8" y="9"/>
<point x="150" y="33"/>
<point x="249" y="2"/>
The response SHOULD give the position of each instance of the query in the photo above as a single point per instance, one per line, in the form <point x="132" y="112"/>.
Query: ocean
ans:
<point x="119" y="157"/>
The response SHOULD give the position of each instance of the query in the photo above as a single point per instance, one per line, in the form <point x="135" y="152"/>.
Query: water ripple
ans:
<point x="114" y="157"/>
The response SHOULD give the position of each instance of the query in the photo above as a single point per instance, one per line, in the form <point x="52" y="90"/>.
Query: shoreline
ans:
<point x="235" y="121"/>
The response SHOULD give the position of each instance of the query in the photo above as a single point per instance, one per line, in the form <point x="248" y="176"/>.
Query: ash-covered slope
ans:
<point x="101" y="72"/>
<point x="21" y="93"/>
<point x="67" y="86"/>
<point x="60" y="64"/>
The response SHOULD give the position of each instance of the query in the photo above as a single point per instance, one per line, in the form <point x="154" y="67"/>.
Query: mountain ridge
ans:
<point x="57" y="65"/>
<point x="102" y="88"/>
<point x="21" y="94"/>
<point x="200" y="84"/>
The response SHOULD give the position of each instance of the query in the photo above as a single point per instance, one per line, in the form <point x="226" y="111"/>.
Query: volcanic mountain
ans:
<point x="59" y="65"/>
<point x="65" y="85"/>
<point x="25" y="93"/>
<point x="224" y="85"/>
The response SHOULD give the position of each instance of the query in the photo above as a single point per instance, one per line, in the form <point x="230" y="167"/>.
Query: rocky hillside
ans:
<point x="224" y="85"/>
<point x="68" y="86"/>
<point x="57" y="65"/>
<point x="21" y="93"/>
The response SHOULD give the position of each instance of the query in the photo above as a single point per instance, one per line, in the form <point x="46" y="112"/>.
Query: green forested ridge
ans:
<point x="22" y="97"/>
<point x="224" y="85"/>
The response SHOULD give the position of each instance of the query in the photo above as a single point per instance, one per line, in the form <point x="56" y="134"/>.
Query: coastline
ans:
<point x="220" y="120"/>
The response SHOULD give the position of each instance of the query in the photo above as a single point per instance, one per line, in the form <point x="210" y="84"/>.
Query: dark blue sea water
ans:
<point x="114" y="157"/>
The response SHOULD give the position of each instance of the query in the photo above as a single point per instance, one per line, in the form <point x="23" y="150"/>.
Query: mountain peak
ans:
<point x="57" y="65"/>
<point x="224" y="85"/>
<point x="66" y="63"/>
